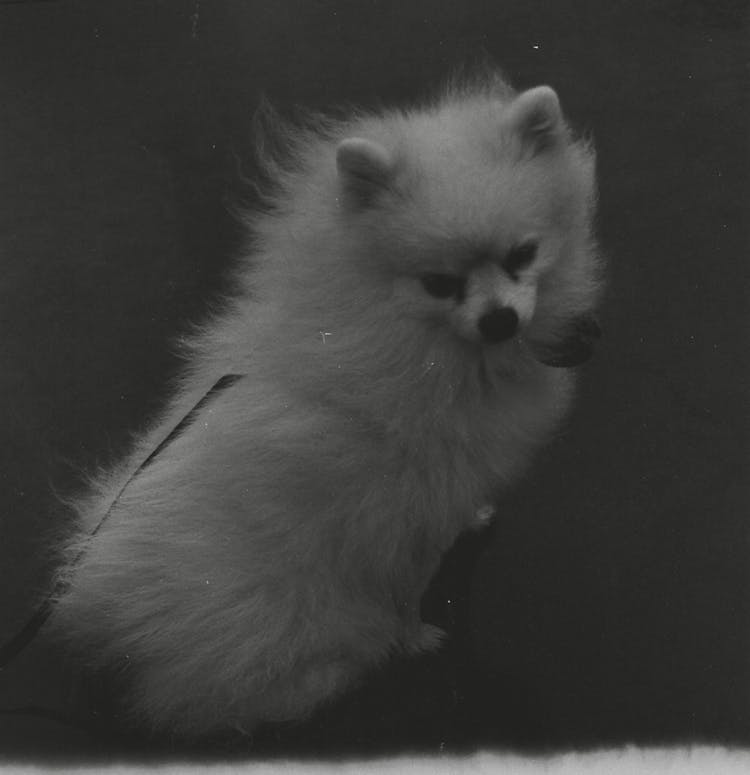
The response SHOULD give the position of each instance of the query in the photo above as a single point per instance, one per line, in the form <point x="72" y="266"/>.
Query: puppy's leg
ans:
<point x="425" y="639"/>
<point x="311" y="684"/>
<point x="482" y="517"/>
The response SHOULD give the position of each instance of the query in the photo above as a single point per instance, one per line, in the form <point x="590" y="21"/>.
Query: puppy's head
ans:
<point x="478" y="212"/>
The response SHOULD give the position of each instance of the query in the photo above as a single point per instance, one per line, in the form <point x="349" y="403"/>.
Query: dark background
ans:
<point x="611" y="602"/>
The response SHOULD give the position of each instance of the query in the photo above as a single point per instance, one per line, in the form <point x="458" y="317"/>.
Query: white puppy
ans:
<point x="410" y="294"/>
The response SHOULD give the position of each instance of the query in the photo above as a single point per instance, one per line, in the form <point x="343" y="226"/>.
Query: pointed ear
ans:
<point x="365" y="168"/>
<point x="537" y="118"/>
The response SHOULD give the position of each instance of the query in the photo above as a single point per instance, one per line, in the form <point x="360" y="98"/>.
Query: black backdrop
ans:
<point x="611" y="601"/>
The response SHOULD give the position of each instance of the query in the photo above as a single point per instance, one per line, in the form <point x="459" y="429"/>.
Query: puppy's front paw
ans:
<point x="428" y="638"/>
<point x="483" y="516"/>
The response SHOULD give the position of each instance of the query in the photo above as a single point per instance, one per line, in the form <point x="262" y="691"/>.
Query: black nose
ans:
<point x="498" y="324"/>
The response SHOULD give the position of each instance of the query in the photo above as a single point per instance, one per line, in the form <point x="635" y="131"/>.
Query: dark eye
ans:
<point x="519" y="257"/>
<point x="444" y="286"/>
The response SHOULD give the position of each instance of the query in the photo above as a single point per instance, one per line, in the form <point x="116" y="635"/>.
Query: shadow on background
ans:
<point x="610" y="602"/>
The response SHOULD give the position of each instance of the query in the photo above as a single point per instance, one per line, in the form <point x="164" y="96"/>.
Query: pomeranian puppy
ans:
<point x="415" y="293"/>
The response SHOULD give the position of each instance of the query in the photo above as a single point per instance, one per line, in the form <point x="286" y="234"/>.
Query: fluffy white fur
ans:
<point x="279" y="547"/>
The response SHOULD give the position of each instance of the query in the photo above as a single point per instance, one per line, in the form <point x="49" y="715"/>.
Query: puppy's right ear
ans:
<point x="537" y="118"/>
<point x="365" y="169"/>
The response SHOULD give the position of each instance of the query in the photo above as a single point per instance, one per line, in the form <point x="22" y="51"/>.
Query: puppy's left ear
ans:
<point x="535" y="115"/>
<point x="365" y="169"/>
